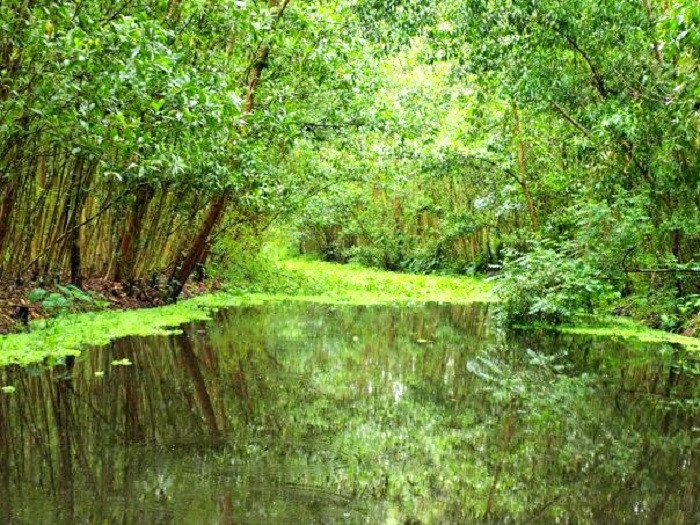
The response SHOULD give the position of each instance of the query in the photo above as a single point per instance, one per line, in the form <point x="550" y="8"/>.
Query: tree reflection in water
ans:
<point x="291" y="410"/>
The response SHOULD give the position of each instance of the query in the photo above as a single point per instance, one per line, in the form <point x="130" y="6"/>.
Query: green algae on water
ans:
<point x="628" y="329"/>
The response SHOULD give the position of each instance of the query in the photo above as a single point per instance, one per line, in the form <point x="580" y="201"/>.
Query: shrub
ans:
<point x="549" y="285"/>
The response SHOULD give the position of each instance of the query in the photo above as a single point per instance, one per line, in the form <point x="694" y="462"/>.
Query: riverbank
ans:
<point x="58" y="337"/>
<point x="297" y="280"/>
<point x="18" y="309"/>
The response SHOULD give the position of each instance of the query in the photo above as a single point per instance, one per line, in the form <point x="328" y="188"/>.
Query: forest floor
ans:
<point x="16" y="309"/>
<point x="299" y="280"/>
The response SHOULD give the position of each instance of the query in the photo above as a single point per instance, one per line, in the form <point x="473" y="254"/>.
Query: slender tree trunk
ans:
<point x="523" y="168"/>
<point x="81" y="193"/>
<point x="650" y="17"/>
<point x="75" y="260"/>
<point x="216" y="211"/>
<point x="8" y="203"/>
<point x="124" y="268"/>
<point x="676" y="250"/>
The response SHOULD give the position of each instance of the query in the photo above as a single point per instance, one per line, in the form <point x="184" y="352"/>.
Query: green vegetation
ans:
<point x="546" y="285"/>
<point x="517" y="124"/>
<point x="616" y="327"/>
<point x="325" y="189"/>
<point x="148" y="143"/>
<point x="367" y="286"/>
<point x="294" y="280"/>
<point x="317" y="282"/>
<point x="130" y="132"/>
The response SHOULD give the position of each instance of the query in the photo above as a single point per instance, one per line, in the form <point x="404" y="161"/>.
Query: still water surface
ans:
<point x="308" y="413"/>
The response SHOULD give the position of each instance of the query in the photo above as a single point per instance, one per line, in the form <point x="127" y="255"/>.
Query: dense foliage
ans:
<point x="572" y="122"/>
<point x="130" y="130"/>
<point x="141" y="141"/>
<point x="549" y="285"/>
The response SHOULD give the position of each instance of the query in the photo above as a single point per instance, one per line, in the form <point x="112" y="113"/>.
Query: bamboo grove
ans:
<point x="130" y="129"/>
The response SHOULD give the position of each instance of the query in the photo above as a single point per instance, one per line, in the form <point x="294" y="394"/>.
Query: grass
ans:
<point x="358" y="285"/>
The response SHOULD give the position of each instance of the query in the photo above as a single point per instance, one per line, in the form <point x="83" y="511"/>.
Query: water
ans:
<point x="308" y="413"/>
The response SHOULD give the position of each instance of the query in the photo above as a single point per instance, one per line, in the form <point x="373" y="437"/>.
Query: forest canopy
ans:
<point x="556" y="142"/>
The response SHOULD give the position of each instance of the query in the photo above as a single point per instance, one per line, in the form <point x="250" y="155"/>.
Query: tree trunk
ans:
<point x="8" y="203"/>
<point x="676" y="250"/>
<point x="216" y="211"/>
<point x="217" y="208"/>
<point x="76" y="278"/>
<point x="74" y="223"/>
<point x="124" y="269"/>
<point x="523" y="169"/>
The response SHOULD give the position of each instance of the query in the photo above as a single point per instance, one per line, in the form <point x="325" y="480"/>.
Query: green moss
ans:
<point x="618" y="327"/>
<point x="313" y="282"/>
<point x="628" y="329"/>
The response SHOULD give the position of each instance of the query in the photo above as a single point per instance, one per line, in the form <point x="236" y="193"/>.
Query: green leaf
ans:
<point x="37" y="295"/>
